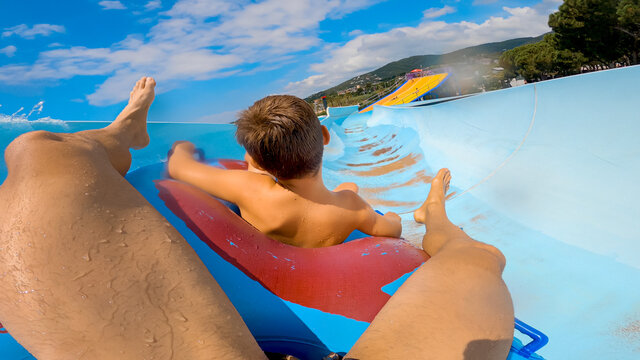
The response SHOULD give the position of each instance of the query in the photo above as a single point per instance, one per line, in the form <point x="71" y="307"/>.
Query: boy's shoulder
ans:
<point x="351" y="203"/>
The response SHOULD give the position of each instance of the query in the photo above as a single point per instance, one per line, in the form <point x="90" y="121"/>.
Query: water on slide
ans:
<point x="546" y="172"/>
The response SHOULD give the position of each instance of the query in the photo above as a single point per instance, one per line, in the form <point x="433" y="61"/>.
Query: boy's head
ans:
<point x="283" y="136"/>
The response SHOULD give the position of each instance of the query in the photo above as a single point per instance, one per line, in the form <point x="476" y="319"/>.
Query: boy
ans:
<point x="285" y="197"/>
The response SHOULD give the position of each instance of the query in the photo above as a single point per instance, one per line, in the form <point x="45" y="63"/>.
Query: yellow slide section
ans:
<point x="410" y="90"/>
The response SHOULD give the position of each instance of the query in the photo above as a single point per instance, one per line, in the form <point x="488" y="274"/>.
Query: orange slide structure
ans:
<point x="410" y="90"/>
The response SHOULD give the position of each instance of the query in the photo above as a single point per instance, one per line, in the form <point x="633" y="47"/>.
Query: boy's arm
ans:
<point x="374" y="224"/>
<point x="230" y="185"/>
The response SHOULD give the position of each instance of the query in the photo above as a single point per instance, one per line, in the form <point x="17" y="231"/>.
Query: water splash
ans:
<point x="19" y="117"/>
<point x="36" y="108"/>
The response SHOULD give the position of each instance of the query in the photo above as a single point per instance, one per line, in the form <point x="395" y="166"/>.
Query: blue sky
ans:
<point x="77" y="59"/>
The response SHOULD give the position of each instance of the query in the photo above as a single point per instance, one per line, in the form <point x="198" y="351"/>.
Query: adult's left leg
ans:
<point x="89" y="269"/>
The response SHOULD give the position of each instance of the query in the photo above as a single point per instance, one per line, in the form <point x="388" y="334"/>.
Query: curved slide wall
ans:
<point x="548" y="173"/>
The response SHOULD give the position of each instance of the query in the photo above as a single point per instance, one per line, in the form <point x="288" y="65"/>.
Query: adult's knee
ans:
<point x="28" y="140"/>
<point x="475" y="253"/>
<point x="37" y="136"/>
<point x="29" y="143"/>
<point x="491" y="254"/>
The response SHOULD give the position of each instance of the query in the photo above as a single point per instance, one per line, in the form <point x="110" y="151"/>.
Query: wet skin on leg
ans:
<point x="455" y="306"/>
<point x="88" y="269"/>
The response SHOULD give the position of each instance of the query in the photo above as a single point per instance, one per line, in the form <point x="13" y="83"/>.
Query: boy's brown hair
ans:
<point x="283" y="135"/>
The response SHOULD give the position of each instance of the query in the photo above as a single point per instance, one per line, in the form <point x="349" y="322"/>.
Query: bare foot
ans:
<point x="435" y="199"/>
<point x="133" y="118"/>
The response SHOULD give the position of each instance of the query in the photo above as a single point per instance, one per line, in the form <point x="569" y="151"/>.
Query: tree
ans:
<point x="493" y="82"/>
<point x="508" y="63"/>
<point x="368" y="87"/>
<point x="564" y="61"/>
<point x="628" y="13"/>
<point x="589" y="27"/>
<point x="541" y="60"/>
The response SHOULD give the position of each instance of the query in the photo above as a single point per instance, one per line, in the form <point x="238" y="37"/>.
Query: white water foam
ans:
<point x="19" y="117"/>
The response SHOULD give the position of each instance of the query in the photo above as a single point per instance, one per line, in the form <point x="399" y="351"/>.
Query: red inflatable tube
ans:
<point x="345" y="279"/>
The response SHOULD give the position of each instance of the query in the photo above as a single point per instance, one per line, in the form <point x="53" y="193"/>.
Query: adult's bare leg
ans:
<point x="455" y="306"/>
<point x="88" y="269"/>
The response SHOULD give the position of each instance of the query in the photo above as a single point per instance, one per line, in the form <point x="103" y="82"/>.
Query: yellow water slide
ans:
<point x="410" y="90"/>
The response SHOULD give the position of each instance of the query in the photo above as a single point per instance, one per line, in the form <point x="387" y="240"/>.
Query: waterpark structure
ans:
<point x="413" y="88"/>
<point x="546" y="172"/>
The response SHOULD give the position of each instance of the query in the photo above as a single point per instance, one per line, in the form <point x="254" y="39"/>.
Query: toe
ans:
<point x="150" y="81"/>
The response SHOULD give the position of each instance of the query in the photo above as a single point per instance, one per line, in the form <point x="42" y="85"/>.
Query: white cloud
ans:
<point x="9" y="51"/>
<point x="195" y="40"/>
<point x="548" y="6"/>
<point x="433" y="13"/>
<point x="348" y="6"/>
<point x="153" y="4"/>
<point x="112" y="5"/>
<point x="27" y="32"/>
<point x="370" y="51"/>
<point x="204" y="8"/>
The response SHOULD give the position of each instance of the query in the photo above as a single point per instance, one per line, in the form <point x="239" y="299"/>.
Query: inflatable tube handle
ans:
<point x="538" y="339"/>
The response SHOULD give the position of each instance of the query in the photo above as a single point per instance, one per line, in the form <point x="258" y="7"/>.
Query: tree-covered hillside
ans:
<point x="400" y="67"/>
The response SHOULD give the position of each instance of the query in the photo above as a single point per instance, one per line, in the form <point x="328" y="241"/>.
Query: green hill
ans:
<point x="400" y="67"/>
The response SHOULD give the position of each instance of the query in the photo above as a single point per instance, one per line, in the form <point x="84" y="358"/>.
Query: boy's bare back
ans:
<point x="300" y="212"/>
<point x="289" y="202"/>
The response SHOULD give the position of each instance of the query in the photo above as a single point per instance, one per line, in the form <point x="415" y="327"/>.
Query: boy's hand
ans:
<point x="180" y="151"/>
<point x="185" y="147"/>
<point x="374" y="224"/>
<point x="393" y="216"/>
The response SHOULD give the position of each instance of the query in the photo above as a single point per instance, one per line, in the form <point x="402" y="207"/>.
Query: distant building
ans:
<point x="517" y="82"/>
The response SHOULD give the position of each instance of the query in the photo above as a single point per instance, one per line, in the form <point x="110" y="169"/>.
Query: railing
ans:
<point x="419" y="91"/>
<point x="390" y="89"/>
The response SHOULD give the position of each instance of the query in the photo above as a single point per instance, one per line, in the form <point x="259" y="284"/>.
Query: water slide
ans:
<point x="546" y="172"/>
<point x="410" y="90"/>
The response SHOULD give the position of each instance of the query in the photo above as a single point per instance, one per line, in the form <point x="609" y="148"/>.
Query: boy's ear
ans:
<point x="251" y="163"/>
<point x="325" y="135"/>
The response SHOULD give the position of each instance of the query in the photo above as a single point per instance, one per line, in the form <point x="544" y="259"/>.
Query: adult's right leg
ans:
<point x="455" y="306"/>
<point x="89" y="269"/>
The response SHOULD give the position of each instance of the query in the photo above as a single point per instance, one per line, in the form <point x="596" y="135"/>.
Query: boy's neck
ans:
<point x="307" y="187"/>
